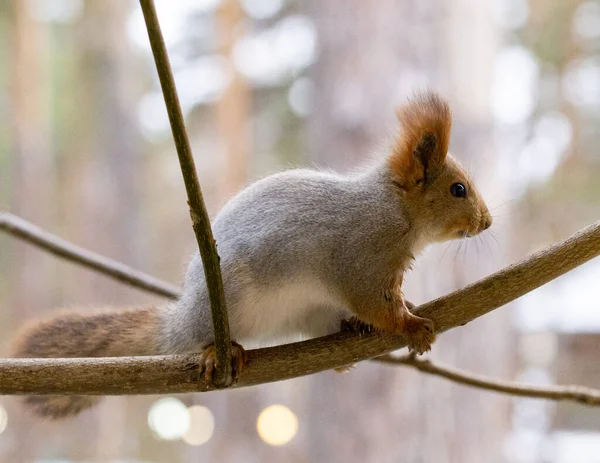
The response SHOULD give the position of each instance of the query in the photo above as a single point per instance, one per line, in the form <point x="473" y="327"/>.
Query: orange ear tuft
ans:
<point x="421" y="147"/>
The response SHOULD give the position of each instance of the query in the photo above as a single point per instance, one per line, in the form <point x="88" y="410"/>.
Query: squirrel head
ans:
<point x="441" y="199"/>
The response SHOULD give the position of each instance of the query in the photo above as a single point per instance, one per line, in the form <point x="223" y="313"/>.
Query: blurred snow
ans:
<point x="573" y="447"/>
<point x="568" y="304"/>
<point x="523" y="446"/>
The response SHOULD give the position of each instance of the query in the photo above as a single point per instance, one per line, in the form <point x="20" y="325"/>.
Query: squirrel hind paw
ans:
<point x="208" y="361"/>
<point x="356" y="325"/>
<point x="419" y="334"/>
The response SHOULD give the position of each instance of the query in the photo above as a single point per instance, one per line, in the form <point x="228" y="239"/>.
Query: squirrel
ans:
<point x="303" y="252"/>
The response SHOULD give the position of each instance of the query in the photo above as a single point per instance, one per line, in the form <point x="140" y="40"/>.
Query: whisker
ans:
<point x="503" y="204"/>
<point x="502" y="214"/>
<point x="460" y="242"/>
<point x="488" y="248"/>
<point x="493" y="235"/>
<point x="450" y="243"/>
<point x="491" y="250"/>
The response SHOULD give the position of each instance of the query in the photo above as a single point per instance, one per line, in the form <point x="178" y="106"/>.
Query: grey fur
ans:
<point x="299" y="225"/>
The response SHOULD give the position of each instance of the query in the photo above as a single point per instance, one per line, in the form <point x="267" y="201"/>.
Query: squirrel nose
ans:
<point x="487" y="222"/>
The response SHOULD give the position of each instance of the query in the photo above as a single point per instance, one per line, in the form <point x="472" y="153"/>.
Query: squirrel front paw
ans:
<point x="419" y="333"/>
<point x="208" y="361"/>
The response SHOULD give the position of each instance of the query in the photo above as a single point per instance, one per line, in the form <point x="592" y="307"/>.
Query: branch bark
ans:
<point x="198" y="213"/>
<point x="572" y="393"/>
<point x="173" y="374"/>
<point x="62" y="248"/>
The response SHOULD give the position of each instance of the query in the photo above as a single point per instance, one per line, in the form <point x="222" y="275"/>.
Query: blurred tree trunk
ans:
<point x="101" y="176"/>
<point x="369" y="56"/>
<point x="372" y="57"/>
<point x="33" y="166"/>
<point x="103" y="168"/>
<point x="233" y="108"/>
<point x="30" y="287"/>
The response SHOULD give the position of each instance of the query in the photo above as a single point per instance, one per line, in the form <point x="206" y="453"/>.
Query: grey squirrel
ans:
<point x="302" y="252"/>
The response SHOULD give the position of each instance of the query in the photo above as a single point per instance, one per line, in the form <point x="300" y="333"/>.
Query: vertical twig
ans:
<point x="200" y="221"/>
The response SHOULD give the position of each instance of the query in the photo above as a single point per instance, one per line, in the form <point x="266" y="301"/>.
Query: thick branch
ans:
<point x="572" y="393"/>
<point x="155" y="375"/>
<point x="62" y="248"/>
<point x="200" y="220"/>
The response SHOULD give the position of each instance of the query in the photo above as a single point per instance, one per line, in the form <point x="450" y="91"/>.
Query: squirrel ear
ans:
<point x="422" y="144"/>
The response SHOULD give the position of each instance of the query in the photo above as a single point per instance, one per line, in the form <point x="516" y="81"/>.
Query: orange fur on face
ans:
<point x="421" y="147"/>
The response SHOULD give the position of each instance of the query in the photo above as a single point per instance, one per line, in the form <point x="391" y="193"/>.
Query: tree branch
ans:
<point x="573" y="393"/>
<point x="62" y="248"/>
<point x="124" y="274"/>
<point x="198" y="213"/>
<point x="172" y="374"/>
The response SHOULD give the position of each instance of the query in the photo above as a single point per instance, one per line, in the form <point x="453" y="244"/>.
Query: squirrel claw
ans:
<point x="419" y="333"/>
<point x="208" y="361"/>
<point x="356" y="325"/>
<point x="353" y="325"/>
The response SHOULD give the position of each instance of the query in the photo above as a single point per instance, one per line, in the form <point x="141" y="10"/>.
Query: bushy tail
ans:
<point x="76" y="334"/>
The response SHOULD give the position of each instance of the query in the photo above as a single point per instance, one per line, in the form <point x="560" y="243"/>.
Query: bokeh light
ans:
<point x="586" y="20"/>
<point x="581" y="82"/>
<point x="201" y="427"/>
<point x="169" y="418"/>
<point x="509" y="14"/>
<point x="277" y="425"/>
<point x="514" y="85"/>
<point x="300" y="96"/>
<point x="60" y="11"/>
<point x="261" y="9"/>
<point x="270" y="57"/>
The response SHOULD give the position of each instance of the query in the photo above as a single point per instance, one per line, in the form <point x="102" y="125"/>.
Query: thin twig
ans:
<point x="573" y="393"/>
<point x="172" y="374"/>
<point x="48" y="242"/>
<point x="200" y="220"/>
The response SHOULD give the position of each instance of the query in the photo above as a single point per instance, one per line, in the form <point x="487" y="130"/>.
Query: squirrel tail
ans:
<point x="77" y="334"/>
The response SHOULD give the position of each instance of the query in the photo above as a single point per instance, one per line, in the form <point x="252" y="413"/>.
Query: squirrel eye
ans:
<point x="458" y="190"/>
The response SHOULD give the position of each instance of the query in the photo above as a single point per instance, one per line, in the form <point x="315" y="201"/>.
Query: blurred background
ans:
<point x="86" y="152"/>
